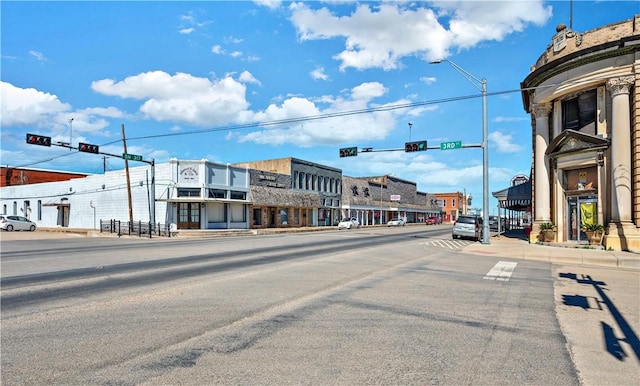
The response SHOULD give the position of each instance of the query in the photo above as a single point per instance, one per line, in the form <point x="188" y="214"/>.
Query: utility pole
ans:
<point x="126" y="167"/>
<point x="70" y="132"/>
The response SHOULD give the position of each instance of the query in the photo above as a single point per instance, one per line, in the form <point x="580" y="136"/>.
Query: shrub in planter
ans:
<point x="547" y="231"/>
<point x="593" y="227"/>
<point x="594" y="232"/>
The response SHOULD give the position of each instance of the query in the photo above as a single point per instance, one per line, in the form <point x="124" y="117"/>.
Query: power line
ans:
<point x="310" y="118"/>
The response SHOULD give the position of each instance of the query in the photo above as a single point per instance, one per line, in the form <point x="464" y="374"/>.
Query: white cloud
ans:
<point x="368" y="91"/>
<point x="234" y="40"/>
<point x="190" y="18"/>
<point x="318" y="74"/>
<point x="510" y="119"/>
<point x="217" y="49"/>
<point x="181" y="98"/>
<point x="235" y="54"/>
<point x="327" y="131"/>
<point x="476" y="21"/>
<point x="504" y="142"/>
<point x="380" y="35"/>
<point x="247" y="77"/>
<point x="189" y="23"/>
<point x="28" y="106"/>
<point x="38" y="55"/>
<point x="271" y="4"/>
<point x="428" y="79"/>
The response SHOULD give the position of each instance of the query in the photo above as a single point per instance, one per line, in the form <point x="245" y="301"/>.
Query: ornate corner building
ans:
<point x="582" y="95"/>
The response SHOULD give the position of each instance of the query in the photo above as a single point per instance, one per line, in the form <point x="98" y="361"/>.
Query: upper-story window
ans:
<point x="235" y="195"/>
<point x="217" y="193"/>
<point x="453" y="202"/>
<point x="579" y="112"/>
<point x="186" y="192"/>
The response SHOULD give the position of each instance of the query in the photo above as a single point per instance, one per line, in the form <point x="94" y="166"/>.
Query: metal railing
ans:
<point x="138" y="228"/>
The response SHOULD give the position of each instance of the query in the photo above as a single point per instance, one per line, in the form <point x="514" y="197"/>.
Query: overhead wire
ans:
<point x="311" y="118"/>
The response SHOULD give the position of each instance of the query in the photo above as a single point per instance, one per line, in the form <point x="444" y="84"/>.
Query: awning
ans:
<point x="514" y="203"/>
<point x="516" y="197"/>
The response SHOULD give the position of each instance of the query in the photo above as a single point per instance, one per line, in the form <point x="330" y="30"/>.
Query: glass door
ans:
<point x="581" y="210"/>
<point x="189" y="215"/>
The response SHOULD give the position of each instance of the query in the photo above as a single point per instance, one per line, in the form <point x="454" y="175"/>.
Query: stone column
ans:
<point x="542" y="190"/>
<point x="620" y="149"/>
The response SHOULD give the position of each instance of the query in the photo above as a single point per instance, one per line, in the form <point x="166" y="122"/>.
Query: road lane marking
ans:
<point x="448" y="244"/>
<point x="502" y="271"/>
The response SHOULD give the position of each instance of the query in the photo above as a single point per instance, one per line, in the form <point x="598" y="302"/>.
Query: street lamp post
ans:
<point x="480" y="84"/>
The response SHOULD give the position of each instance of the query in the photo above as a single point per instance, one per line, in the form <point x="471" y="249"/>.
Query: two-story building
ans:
<point x="582" y="94"/>
<point x="293" y="192"/>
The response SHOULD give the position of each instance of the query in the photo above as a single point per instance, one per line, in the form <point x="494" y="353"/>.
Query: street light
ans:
<point x="480" y="84"/>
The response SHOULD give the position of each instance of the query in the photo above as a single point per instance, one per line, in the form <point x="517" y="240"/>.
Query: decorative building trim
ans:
<point x="620" y="85"/>
<point x="541" y="110"/>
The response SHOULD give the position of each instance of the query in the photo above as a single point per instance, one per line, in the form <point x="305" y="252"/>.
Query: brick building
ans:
<point x="378" y="199"/>
<point x="24" y="176"/>
<point x="453" y="205"/>
<point x="290" y="192"/>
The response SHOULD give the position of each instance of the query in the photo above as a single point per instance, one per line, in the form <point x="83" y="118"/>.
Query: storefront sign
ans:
<point x="188" y="174"/>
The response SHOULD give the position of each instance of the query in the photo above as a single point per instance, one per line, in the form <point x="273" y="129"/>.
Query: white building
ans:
<point x="192" y="194"/>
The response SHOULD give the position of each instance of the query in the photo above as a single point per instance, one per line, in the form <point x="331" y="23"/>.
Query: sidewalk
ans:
<point x="515" y="245"/>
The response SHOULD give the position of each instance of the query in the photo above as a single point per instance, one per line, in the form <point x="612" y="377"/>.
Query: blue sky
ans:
<point x="236" y="81"/>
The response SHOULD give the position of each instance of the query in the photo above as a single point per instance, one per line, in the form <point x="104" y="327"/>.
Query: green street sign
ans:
<point x="450" y="145"/>
<point x="132" y="157"/>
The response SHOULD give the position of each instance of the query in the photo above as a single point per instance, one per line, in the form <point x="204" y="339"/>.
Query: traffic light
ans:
<point x="41" y="140"/>
<point x="348" y="152"/>
<point x="415" y="146"/>
<point x="87" y="148"/>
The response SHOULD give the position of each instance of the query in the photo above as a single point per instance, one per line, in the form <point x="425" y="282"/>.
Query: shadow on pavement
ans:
<point x="517" y="234"/>
<point x="612" y="342"/>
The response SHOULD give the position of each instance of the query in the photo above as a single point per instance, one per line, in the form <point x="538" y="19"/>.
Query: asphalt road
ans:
<point x="368" y="306"/>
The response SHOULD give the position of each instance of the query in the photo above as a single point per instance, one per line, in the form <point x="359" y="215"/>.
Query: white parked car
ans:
<point x="398" y="222"/>
<point x="467" y="227"/>
<point x="16" y="223"/>
<point x="349" y="223"/>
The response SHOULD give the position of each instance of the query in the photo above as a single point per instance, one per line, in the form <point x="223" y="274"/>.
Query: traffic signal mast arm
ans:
<point x="409" y="147"/>
<point x="35" y="139"/>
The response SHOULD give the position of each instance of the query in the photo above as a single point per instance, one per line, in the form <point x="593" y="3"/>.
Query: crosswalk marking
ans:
<point x="449" y="244"/>
<point x="502" y="271"/>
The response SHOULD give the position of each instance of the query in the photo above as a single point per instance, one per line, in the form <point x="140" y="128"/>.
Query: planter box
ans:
<point x="594" y="237"/>
<point x="548" y="236"/>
